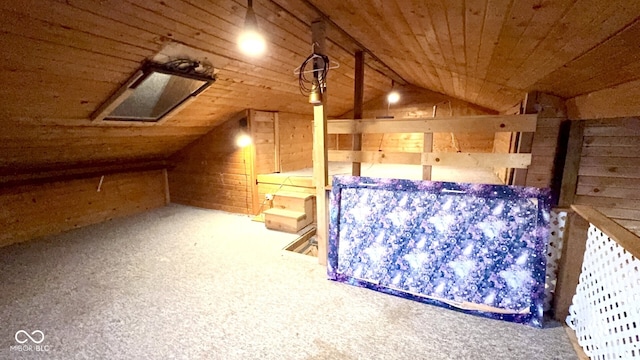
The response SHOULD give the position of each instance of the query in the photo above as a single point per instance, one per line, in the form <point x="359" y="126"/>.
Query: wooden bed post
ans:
<point x="358" y="98"/>
<point x="320" y="168"/>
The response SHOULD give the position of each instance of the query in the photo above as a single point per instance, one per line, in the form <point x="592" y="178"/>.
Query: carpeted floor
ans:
<point x="187" y="283"/>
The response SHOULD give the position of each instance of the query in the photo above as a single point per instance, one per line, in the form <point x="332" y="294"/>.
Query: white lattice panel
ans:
<point x="554" y="250"/>
<point x="606" y="308"/>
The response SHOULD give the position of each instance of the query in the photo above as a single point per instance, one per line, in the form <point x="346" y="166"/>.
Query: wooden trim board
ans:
<point x="628" y="240"/>
<point x="481" y="123"/>
<point x="574" y="342"/>
<point x="487" y="160"/>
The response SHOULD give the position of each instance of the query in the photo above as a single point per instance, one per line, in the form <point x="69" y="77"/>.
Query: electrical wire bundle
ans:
<point x="187" y="66"/>
<point x="320" y="69"/>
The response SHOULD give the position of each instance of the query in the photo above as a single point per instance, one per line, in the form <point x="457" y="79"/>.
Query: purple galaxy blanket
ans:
<point x="475" y="248"/>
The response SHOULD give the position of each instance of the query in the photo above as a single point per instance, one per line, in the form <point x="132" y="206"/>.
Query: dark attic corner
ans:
<point x="353" y="179"/>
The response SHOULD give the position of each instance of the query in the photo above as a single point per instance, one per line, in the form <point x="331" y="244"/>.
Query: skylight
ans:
<point x="155" y="91"/>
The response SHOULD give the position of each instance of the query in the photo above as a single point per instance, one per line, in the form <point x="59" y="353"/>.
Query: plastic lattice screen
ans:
<point x="606" y="308"/>
<point x="554" y="250"/>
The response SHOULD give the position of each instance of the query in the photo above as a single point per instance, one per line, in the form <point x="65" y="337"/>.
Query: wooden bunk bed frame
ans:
<point x="320" y="183"/>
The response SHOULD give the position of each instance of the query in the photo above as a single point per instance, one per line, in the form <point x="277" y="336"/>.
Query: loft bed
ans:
<point x="399" y="171"/>
<point x="477" y="248"/>
<point x="301" y="180"/>
<point x="475" y="168"/>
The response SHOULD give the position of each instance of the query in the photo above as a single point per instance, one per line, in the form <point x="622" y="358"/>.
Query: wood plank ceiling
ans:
<point x="489" y="52"/>
<point x="62" y="58"/>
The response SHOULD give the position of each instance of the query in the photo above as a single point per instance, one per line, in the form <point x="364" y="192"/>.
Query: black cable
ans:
<point x="187" y="66"/>
<point x="320" y="70"/>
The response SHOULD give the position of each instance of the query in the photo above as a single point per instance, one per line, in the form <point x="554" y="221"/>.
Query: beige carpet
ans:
<point x="186" y="283"/>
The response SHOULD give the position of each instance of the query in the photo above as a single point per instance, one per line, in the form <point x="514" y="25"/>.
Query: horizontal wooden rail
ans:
<point x="485" y="160"/>
<point x="292" y="180"/>
<point x="82" y="171"/>
<point x="484" y="123"/>
<point x="628" y="240"/>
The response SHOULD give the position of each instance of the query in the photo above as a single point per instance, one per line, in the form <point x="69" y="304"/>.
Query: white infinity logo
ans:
<point x="29" y="336"/>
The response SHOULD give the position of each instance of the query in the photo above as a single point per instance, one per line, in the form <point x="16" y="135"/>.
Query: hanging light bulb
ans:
<point x="251" y="42"/>
<point x="393" y="97"/>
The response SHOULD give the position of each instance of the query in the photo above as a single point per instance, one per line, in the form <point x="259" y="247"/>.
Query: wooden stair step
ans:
<point x="294" y="201"/>
<point x="291" y="194"/>
<point x="292" y="214"/>
<point x="286" y="220"/>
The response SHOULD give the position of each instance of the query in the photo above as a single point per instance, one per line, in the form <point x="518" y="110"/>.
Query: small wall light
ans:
<point x="251" y="42"/>
<point x="243" y="140"/>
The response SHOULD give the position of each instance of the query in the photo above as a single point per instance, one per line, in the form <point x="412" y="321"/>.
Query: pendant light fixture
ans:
<point x="251" y="42"/>
<point x="393" y="96"/>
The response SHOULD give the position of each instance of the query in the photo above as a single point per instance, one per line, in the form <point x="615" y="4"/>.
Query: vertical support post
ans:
<point x="427" y="147"/>
<point x="570" y="264"/>
<point x="249" y="161"/>
<point x="358" y="99"/>
<point x="320" y="166"/>
<point x="276" y="141"/>
<point x="571" y="164"/>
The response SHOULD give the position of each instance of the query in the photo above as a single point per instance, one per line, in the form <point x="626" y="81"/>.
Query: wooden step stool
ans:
<point x="291" y="212"/>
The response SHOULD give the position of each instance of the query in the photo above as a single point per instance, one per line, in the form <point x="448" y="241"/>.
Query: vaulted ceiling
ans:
<point x="490" y="52"/>
<point x="62" y="59"/>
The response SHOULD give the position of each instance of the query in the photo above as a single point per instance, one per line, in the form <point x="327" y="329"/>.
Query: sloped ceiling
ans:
<point x="489" y="52"/>
<point x="62" y="59"/>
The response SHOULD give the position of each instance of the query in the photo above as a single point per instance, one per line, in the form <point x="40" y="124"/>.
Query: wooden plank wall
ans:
<point x="213" y="172"/>
<point x="415" y="103"/>
<point x="31" y="211"/>
<point x="547" y="156"/>
<point x="609" y="172"/>
<point x="541" y="172"/>
<point x="263" y="138"/>
<point x="296" y="143"/>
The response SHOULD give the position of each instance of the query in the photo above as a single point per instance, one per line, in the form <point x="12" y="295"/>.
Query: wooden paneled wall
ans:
<point x="296" y="141"/>
<point x="262" y="124"/>
<point x="31" y="211"/>
<point x="544" y="149"/>
<point x="213" y="172"/>
<point x="609" y="172"/>
<point x="418" y="103"/>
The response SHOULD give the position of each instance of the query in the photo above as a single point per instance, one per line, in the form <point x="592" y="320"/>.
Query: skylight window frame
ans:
<point x="129" y="87"/>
